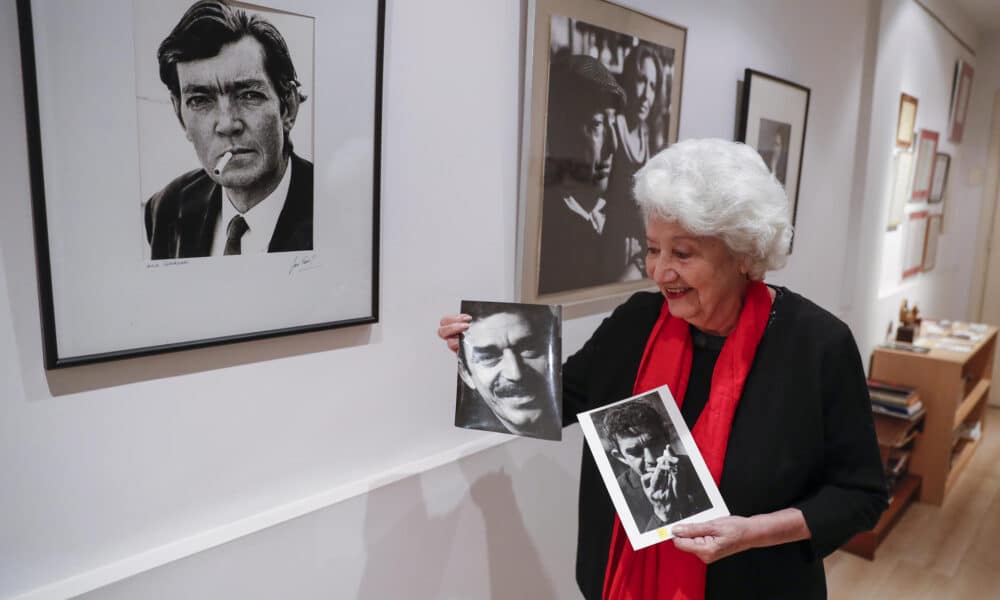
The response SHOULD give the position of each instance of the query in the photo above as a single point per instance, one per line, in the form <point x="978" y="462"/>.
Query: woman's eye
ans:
<point x="652" y="251"/>
<point x="681" y="254"/>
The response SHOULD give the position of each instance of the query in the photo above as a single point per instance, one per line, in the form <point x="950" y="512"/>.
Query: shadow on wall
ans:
<point x="418" y="555"/>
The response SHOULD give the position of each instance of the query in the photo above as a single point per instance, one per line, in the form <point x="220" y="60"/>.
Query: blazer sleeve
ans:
<point x="852" y="494"/>
<point x="576" y="373"/>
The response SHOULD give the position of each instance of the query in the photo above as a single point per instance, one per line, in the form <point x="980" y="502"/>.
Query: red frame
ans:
<point x="913" y="270"/>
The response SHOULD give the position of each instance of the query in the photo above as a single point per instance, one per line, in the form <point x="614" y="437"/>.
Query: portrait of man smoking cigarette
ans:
<point x="236" y="95"/>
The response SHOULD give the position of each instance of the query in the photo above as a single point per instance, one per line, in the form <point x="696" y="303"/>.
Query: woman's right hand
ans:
<point x="452" y="326"/>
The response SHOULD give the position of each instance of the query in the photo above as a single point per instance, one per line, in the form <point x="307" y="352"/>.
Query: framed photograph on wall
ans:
<point x="931" y="242"/>
<point x="902" y="175"/>
<point x="942" y="162"/>
<point x="602" y="95"/>
<point x="961" y="91"/>
<point x="651" y="496"/>
<point x="923" y="170"/>
<point x="173" y="147"/>
<point x="913" y="248"/>
<point x="907" y="120"/>
<point x="773" y="120"/>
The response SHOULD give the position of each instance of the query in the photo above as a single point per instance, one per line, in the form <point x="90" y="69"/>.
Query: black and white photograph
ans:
<point x="651" y="466"/>
<point x="772" y="144"/>
<point x="773" y="119"/>
<point x="195" y="204"/>
<point x="509" y="366"/>
<point x="225" y="128"/>
<point x="611" y="101"/>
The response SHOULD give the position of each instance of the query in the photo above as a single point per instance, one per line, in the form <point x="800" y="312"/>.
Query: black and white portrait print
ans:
<point x="225" y="126"/>
<point x="608" y="113"/>
<point x="653" y="470"/>
<point x="772" y="144"/>
<point x="509" y="364"/>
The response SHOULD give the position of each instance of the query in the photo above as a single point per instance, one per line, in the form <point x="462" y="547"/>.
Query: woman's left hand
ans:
<point x="714" y="539"/>
<point x="722" y="537"/>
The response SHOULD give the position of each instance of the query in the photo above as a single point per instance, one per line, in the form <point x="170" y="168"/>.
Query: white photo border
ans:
<point x="642" y="540"/>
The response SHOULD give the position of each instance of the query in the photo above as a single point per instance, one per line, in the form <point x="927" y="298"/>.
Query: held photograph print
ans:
<point x="195" y="205"/>
<point x="604" y="98"/>
<point x="509" y="369"/>
<point x="651" y="466"/>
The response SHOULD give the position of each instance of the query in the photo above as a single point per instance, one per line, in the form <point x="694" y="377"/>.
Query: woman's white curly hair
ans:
<point x="723" y="189"/>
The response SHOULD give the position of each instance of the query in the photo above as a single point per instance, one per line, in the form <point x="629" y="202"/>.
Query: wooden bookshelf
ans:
<point x="865" y="543"/>
<point x="954" y="387"/>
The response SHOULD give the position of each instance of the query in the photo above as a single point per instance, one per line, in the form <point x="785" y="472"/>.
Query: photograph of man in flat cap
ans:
<point x="608" y="103"/>
<point x="236" y="95"/>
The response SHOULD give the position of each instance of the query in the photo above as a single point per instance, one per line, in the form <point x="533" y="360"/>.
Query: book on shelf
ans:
<point x="894" y="432"/>
<point x="910" y="413"/>
<point x="892" y="394"/>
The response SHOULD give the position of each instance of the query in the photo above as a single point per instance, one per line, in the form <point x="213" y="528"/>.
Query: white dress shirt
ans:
<point x="261" y="219"/>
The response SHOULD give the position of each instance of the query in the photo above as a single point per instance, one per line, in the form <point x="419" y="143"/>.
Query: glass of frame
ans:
<point x="139" y="185"/>
<point x="773" y="121"/>
<point x="961" y="91"/>
<point x="942" y="162"/>
<point x="931" y="242"/>
<point x="907" y="120"/>
<point x="923" y="171"/>
<point x="902" y="172"/>
<point x="591" y="66"/>
<point x="913" y="249"/>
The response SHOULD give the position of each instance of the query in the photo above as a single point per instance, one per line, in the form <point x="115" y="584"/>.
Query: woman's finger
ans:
<point x="451" y="330"/>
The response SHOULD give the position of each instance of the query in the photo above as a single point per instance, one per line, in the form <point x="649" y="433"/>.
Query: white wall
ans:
<point x="916" y="55"/>
<point x="111" y="469"/>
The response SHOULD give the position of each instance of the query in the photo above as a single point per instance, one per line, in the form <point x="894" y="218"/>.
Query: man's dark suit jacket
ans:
<point x="180" y="218"/>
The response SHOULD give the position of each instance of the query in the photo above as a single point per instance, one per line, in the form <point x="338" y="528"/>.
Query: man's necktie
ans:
<point x="234" y="233"/>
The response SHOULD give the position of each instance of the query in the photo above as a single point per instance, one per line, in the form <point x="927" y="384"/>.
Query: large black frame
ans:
<point x="43" y="258"/>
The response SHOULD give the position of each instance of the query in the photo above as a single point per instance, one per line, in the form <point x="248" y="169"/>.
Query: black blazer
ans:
<point x="802" y="437"/>
<point x="180" y="218"/>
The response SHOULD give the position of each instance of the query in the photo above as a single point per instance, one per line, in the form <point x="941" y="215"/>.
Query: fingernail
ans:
<point x="467" y="318"/>
<point x="680" y="530"/>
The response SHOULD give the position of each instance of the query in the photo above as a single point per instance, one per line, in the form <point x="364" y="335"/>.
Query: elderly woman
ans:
<point x="770" y="384"/>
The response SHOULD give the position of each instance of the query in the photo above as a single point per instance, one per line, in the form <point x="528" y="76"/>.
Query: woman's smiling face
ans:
<point x="703" y="281"/>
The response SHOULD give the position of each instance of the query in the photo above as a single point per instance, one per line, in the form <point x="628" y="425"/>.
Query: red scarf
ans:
<point x="662" y="572"/>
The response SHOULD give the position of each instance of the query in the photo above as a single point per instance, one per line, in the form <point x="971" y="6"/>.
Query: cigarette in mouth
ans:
<point x="223" y="161"/>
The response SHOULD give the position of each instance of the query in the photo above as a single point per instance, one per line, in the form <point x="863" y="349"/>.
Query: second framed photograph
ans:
<point x="655" y="475"/>
<point x="602" y="96"/>
<point x="202" y="172"/>
<point x="773" y="120"/>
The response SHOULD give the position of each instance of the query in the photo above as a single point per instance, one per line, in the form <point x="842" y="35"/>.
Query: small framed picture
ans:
<point x="931" y="242"/>
<point x="902" y="171"/>
<point x="923" y="172"/>
<point x="961" y="91"/>
<point x="913" y="249"/>
<point x="942" y="162"/>
<point x="907" y="120"/>
<point x="510" y="369"/>
<point x="773" y="121"/>
<point x="654" y="473"/>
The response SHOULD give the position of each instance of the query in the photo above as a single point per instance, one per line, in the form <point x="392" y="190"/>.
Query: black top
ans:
<point x="802" y="437"/>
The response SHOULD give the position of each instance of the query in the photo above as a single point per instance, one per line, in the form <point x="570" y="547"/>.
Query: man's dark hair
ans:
<point x="207" y="26"/>
<point x="633" y="419"/>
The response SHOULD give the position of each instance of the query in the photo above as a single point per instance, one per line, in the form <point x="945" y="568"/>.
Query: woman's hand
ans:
<point x="723" y="537"/>
<point x="714" y="539"/>
<point x="452" y="326"/>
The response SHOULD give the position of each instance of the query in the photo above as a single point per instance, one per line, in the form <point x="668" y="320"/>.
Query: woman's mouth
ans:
<point x="673" y="293"/>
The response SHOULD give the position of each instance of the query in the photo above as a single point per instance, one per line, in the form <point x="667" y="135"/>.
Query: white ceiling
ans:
<point x="985" y="13"/>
